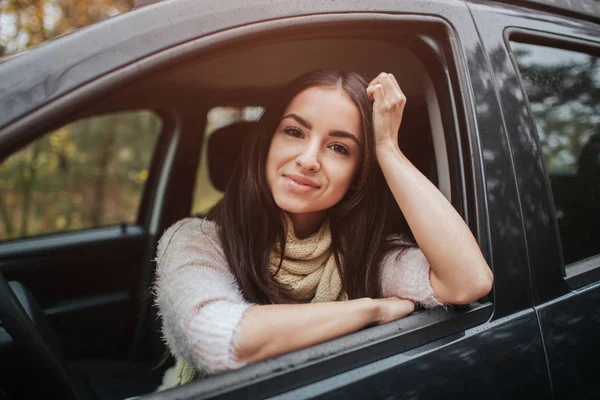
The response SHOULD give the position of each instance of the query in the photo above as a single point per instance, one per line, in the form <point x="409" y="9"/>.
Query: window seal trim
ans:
<point x="583" y="272"/>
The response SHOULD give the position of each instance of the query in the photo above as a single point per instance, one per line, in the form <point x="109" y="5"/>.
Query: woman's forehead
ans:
<point x="326" y="108"/>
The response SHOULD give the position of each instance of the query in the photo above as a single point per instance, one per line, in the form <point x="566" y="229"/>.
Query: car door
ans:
<point x="548" y="65"/>
<point x="72" y="201"/>
<point x="429" y="354"/>
<point x="82" y="178"/>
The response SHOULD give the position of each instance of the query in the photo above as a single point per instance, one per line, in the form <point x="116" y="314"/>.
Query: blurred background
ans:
<point x="26" y="23"/>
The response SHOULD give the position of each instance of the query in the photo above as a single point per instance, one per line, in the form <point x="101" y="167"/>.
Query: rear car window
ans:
<point x="86" y="174"/>
<point x="563" y="88"/>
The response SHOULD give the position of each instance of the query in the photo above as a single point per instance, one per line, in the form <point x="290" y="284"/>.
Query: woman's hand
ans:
<point x="393" y="308"/>
<point x="388" y="108"/>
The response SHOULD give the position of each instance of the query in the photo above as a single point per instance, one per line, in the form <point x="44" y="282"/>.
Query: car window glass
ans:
<point x="86" y="174"/>
<point x="563" y="88"/>
<point x="228" y="124"/>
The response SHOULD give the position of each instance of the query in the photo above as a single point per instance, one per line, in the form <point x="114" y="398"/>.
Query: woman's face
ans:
<point x="315" y="152"/>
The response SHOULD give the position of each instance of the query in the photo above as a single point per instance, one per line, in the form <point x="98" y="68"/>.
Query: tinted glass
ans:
<point x="563" y="88"/>
<point x="87" y="174"/>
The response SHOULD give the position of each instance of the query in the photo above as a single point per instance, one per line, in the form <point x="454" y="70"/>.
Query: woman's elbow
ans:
<point x="477" y="287"/>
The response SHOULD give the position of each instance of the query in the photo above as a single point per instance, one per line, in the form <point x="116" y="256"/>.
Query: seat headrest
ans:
<point x="225" y="149"/>
<point x="589" y="158"/>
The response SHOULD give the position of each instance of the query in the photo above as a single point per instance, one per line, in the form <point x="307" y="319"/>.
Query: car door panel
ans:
<point x="84" y="283"/>
<point x="470" y="364"/>
<point x="569" y="319"/>
<point x="569" y="324"/>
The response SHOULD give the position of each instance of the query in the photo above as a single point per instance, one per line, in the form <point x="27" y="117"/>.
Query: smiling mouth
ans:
<point x="299" y="184"/>
<point x="300" y="180"/>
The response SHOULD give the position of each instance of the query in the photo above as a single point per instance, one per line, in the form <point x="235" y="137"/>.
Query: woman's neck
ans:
<point x="306" y="224"/>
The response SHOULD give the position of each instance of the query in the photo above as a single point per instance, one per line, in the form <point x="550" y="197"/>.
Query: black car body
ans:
<point x="471" y="128"/>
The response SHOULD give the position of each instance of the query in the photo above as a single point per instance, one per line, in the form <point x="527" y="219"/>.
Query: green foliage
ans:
<point x="89" y="173"/>
<point x="26" y="23"/>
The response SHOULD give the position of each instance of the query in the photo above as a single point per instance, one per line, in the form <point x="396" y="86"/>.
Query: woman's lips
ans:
<point x="300" y="184"/>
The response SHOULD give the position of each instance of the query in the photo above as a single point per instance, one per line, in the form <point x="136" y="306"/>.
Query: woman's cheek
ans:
<point x="342" y="173"/>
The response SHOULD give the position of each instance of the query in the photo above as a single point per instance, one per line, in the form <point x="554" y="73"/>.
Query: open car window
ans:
<point x="428" y="136"/>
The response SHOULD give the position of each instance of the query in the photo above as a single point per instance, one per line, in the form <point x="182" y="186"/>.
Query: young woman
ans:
<point x="306" y="221"/>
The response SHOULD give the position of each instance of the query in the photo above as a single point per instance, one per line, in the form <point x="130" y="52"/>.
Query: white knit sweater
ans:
<point x="201" y="304"/>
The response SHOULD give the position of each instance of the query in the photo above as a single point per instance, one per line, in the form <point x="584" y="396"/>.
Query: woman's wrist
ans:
<point x="389" y="152"/>
<point x="369" y="309"/>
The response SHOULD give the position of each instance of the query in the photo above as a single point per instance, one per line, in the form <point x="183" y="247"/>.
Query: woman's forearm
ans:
<point x="271" y="330"/>
<point x="459" y="273"/>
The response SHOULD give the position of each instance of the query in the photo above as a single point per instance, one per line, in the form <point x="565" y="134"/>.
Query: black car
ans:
<point x="111" y="134"/>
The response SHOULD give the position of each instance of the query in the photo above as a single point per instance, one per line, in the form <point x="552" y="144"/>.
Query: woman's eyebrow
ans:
<point x="308" y="125"/>
<point x="343" y="134"/>
<point x="300" y="120"/>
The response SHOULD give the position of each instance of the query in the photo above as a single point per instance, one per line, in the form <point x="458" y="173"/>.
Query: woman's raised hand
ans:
<point x="388" y="107"/>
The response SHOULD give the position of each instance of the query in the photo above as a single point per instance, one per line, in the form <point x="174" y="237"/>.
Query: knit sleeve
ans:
<point x="198" y="298"/>
<point x="405" y="273"/>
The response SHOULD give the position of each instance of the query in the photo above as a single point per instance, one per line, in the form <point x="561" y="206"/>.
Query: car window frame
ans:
<point x="586" y="271"/>
<point x="320" y="361"/>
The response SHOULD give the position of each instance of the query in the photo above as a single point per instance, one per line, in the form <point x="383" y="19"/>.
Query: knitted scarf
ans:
<point x="308" y="272"/>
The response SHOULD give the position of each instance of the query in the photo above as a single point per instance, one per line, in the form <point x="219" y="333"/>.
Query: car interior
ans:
<point x="111" y="346"/>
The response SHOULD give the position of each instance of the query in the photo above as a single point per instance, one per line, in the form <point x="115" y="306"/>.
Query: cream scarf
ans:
<point x="308" y="273"/>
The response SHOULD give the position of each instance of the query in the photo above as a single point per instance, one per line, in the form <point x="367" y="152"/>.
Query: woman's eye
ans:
<point x="295" y="132"/>
<point x="338" y="148"/>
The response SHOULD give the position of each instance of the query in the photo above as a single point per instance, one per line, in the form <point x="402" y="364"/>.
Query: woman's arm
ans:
<point x="271" y="330"/>
<point x="206" y="320"/>
<point x="459" y="273"/>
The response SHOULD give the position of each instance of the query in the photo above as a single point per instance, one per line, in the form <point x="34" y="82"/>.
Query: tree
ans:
<point x="26" y="23"/>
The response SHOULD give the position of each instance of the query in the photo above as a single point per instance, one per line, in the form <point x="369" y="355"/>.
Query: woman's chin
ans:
<point x="294" y="207"/>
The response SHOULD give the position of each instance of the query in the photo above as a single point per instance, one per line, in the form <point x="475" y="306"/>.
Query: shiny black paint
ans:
<point x="570" y="320"/>
<point x="458" y="369"/>
<point x="509" y="260"/>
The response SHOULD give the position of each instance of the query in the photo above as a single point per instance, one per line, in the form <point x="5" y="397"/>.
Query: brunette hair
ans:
<point x="250" y="223"/>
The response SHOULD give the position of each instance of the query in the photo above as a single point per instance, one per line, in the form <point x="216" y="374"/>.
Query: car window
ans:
<point x="563" y="88"/>
<point x="208" y="190"/>
<point x="86" y="174"/>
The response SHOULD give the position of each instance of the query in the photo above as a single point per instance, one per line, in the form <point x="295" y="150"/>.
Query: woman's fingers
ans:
<point x="375" y="80"/>
<point x="394" y="97"/>
<point x="397" y="90"/>
<point x="377" y="93"/>
<point x="392" y="94"/>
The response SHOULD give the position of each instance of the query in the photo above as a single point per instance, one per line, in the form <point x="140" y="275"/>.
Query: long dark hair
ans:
<point x="250" y="223"/>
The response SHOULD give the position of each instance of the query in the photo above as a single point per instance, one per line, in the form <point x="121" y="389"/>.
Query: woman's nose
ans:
<point x="309" y="159"/>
